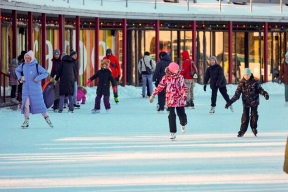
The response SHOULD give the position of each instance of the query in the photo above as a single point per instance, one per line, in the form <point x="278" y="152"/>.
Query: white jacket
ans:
<point x="149" y="63"/>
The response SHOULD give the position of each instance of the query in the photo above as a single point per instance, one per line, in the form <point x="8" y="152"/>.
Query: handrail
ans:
<point x="4" y="88"/>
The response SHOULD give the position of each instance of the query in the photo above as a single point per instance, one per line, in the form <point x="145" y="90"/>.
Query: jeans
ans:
<point x="61" y="102"/>
<point x="75" y="93"/>
<point x="145" y="78"/>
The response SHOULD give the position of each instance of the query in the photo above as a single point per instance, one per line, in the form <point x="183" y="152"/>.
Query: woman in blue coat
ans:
<point x="31" y="74"/>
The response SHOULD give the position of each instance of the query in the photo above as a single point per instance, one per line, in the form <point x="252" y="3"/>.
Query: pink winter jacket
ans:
<point x="176" y="90"/>
<point x="81" y="96"/>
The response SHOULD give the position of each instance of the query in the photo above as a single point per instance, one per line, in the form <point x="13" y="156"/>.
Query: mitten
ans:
<point x="114" y="89"/>
<point x="204" y="87"/>
<point x="151" y="98"/>
<point x="88" y="81"/>
<point x="228" y="104"/>
<point x="266" y="95"/>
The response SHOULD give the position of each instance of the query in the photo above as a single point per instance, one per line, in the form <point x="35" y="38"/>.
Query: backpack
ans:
<point x="148" y="70"/>
<point x="36" y="68"/>
<point x="193" y="71"/>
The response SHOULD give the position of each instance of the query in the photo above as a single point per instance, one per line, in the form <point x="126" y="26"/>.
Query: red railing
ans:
<point x="3" y="84"/>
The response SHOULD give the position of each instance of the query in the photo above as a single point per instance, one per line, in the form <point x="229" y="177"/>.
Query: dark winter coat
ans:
<point x="250" y="90"/>
<point x="12" y="73"/>
<point x="216" y="75"/>
<point x="67" y="74"/>
<point x="75" y="63"/>
<point x="283" y="73"/>
<point x="160" y="68"/>
<point x="55" y="66"/>
<point x="105" y="77"/>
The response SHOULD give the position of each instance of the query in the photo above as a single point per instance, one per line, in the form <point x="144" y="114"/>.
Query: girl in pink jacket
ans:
<point x="176" y="95"/>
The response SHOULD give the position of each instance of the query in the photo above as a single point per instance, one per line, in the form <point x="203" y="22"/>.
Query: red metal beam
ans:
<point x="124" y="51"/>
<point x="61" y="33"/>
<point x="230" y="50"/>
<point x="14" y="34"/>
<point x="30" y="41"/>
<point x="157" y="29"/>
<point x="266" y="52"/>
<point x="43" y="43"/>
<point x="96" y="50"/>
<point x="194" y="33"/>
<point x="77" y="44"/>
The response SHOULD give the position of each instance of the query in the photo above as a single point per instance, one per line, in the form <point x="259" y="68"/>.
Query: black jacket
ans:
<point x="75" y="63"/>
<point x="250" y="90"/>
<point x="160" y="68"/>
<point x="105" y="77"/>
<point x="55" y="66"/>
<point x="216" y="75"/>
<point x="67" y="74"/>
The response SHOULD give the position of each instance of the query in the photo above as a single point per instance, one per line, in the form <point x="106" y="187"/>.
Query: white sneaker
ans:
<point x="172" y="136"/>
<point x="212" y="110"/>
<point x="286" y="104"/>
<point x="25" y="125"/>
<point x="231" y="108"/>
<point x="14" y="100"/>
<point x="47" y="119"/>
<point x="183" y="129"/>
<point x="93" y="111"/>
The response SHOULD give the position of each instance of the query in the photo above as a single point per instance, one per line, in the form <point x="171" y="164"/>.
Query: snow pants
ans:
<point x="172" y="118"/>
<point x="245" y="118"/>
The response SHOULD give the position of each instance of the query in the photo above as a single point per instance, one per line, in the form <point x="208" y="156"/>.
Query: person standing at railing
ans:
<point x="13" y="81"/>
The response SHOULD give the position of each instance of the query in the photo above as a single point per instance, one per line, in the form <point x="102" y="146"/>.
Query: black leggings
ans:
<point x="172" y="118"/>
<point x="13" y="91"/>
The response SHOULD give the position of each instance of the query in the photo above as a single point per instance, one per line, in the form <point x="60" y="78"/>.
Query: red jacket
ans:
<point x="186" y="65"/>
<point x="176" y="90"/>
<point x="114" y="66"/>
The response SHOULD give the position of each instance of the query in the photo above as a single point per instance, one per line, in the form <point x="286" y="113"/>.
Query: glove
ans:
<point x="88" y="81"/>
<point x="280" y="81"/>
<point x="114" y="89"/>
<point x="228" y="104"/>
<point x="151" y="98"/>
<point x="266" y="95"/>
<point x="117" y="78"/>
<point x="204" y="87"/>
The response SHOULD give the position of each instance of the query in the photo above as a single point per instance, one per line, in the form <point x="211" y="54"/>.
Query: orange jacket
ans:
<point x="114" y="66"/>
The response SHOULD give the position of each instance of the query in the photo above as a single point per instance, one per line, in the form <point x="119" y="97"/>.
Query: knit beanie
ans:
<point x="72" y="52"/>
<point x="286" y="60"/>
<point x="56" y="52"/>
<point x="173" y="67"/>
<point x="247" y="71"/>
<point x="213" y="58"/>
<point x="108" y="51"/>
<point x="30" y="54"/>
<point x="162" y="54"/>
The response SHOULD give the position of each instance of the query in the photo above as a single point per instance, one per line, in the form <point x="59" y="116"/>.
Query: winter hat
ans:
<point x="247" y="71"/>
<point x="108" y="51"/>
<point x="162" y="54"/>
<point x="286" y="54"/>
<point x="72" y="52"/>
<point x="173" y="67"/>
<point x="214" y="58"/>
<point x="62" y="55"/>
<point x="147" y="53"/>
<point x="30" y="54"/>
<point x="56" y="52"/>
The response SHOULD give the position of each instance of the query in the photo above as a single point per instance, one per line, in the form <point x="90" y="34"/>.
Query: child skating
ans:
<point x="104" y="76"/>
<point x="250" y="90"/>
<point x="176" y="95"/>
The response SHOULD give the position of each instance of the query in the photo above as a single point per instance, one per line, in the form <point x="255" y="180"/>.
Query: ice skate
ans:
<point x="255" y="132"/>
<point x="160" y="111"/>
<point x="231" y="108"/>
<point x="47" y="119"/>
<point x="107" y="110"/>
<point x="240" y="134"/>
<point x="70" y="111"/>
<point x="77" y="106"/>
<point x="212" y="110"/>
<point x="25" y="125"/>
<point x="116" y="100"/>
<point x="192" y="105"/>
<point x="172" y="136"/>
<point x="183" y="128"/>
<point x="93" y="111"/>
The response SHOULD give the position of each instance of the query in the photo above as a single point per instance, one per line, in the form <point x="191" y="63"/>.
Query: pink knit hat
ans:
<point x="173" y="67"/>
<point x="30" y="54"/>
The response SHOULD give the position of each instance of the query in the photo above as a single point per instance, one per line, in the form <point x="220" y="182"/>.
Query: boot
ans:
<point x="47" y="119"/>
<point x="254" y="132"/>
<point x="25" y="125"/>
<point x="240" y="134"/>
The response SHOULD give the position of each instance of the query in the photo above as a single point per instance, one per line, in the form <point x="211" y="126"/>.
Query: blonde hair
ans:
<point x="105" y="62"/>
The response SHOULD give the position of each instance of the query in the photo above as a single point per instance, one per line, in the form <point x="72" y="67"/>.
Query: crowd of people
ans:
<point x="174" y="86"/>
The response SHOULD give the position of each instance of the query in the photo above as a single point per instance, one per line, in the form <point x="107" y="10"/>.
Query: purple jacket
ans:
<point x="31" y="88"/>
